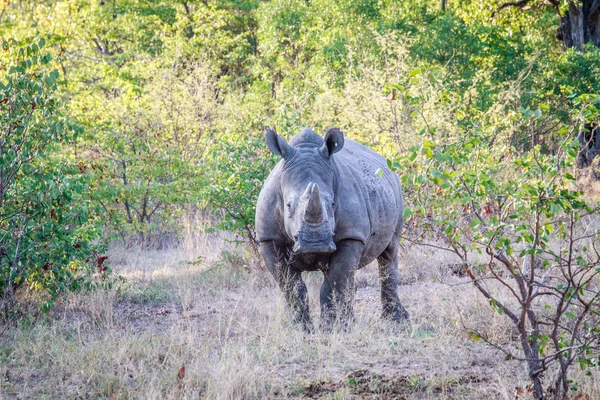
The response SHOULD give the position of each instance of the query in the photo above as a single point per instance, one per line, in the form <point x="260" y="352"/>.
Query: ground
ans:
<point x="202" y="322"/>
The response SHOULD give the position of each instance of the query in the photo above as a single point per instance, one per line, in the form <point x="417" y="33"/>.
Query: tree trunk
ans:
<point x="580" y="24"/>
<point x="589" y="142"/>
<point x="534" y="367"/>
<point x="577" y="31"/>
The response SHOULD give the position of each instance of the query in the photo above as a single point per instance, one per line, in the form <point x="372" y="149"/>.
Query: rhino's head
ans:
<point x="308" y="189"/>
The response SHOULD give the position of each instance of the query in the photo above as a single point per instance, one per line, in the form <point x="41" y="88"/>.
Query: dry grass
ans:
<point x="204" y="308"/>
<point x="589" y="185"/>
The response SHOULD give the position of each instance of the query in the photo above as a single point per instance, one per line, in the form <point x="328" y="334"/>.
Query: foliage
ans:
<point x="240" y="169"/>
<point x="149" y="158"/>
<point x="236" y="164"/>
<point x="160" y="87"/>
<point x="47" y="224"/>
<point x="516" y="218"/>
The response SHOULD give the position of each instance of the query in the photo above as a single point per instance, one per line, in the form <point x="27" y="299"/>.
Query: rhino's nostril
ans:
<point x="296" y="237"/>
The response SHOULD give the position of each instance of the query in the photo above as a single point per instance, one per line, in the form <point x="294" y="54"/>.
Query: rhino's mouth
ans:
<point x="302" y="247"/>
<point x="314" y="239"/>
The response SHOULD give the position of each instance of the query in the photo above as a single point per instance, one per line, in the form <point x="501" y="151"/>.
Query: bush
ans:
<point x="46" y="226"/>
<point x="538" y="234"/>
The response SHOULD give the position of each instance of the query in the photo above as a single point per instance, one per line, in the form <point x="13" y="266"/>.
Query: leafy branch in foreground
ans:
<point x="45" y="227"/>
<point x="538" y="237"/>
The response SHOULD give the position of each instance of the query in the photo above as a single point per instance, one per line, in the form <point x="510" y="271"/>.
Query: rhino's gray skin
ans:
<point x="330" y="204"/>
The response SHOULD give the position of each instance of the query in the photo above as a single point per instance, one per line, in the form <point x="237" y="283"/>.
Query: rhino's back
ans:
<point x="370" y="199"/>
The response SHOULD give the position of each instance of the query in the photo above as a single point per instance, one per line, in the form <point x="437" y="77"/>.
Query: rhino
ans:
<point x="330" y="205"/>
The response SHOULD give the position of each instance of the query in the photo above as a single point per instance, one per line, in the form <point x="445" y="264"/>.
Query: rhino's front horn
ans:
<point x="314" y="208"/>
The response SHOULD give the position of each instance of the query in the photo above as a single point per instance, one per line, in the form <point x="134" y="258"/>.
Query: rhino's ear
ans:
<point x="332" y="142"/>
<point x="278" y="145"/>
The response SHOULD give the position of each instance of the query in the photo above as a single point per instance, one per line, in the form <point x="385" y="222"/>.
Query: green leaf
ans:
<point x="415" y="72"/>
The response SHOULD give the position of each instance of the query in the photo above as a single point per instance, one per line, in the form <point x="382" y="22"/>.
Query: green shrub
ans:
<point x="522" y="212"/>
<point x="46" y="222"/>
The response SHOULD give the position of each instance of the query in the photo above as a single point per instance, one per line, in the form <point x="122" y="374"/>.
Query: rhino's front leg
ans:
<point x="289" y="281"/>
<point x="337" y="291"/>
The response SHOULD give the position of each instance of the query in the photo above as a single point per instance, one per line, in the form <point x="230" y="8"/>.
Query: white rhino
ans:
<point x="331" y="204"/>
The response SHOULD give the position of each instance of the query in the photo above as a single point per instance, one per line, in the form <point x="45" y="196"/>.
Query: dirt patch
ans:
<point x="365" y="384"/>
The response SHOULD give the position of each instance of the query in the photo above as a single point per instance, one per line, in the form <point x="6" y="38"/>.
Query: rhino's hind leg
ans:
<point x="389" y="278"/>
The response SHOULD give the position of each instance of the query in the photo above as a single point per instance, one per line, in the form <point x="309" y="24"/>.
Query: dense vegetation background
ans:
<point x="158" y="107"/>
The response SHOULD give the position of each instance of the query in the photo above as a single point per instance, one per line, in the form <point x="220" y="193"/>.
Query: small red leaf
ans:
<point x="181" y="373"/>
<point x="100" y="263"/>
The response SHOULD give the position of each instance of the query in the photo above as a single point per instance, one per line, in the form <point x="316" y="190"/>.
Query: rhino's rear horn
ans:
<point x="314" y="208"/>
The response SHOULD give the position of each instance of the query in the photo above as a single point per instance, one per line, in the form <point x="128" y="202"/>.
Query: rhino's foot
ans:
<point x="397" y="314"/>
<point x="307" y="327"/>
<point x="303" y="321"/>
<point x="337" y="323"/>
